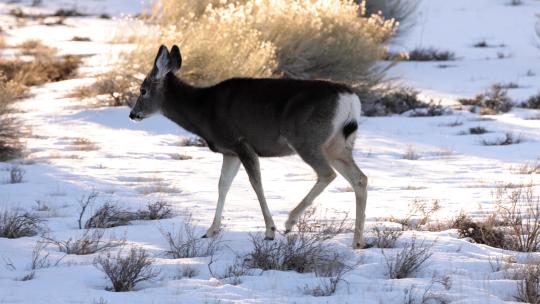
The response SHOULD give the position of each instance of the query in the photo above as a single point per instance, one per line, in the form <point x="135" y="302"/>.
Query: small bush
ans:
<point x="89" y="243"/>
<point x="112" y="216"/>
<point x="35" y="47"/>
<point x="508" y="139"/>
<point x="193" y="142"/>
<point x="109" y="216"/>
<point x="493" y="101"/>
<point x="419" y="214"/>
<point x="15" y="225"/>
<point x="114" y="88"/>
<point x="477" y="130"/>
<point x="484" y="231"/>
<point x="16" y="175"/>
<point x="528" y="168"/>
<point x="411" y="154"/>
<point x="187" y="243"/>
<point x="300" y="252"/>
<point x="529" y="286"/>
<point x="519" y="208"/>
<point x="400" y="10"/>
<point x="391" y="101"/>
<point x="329" y="278"/>
<point x="323" y="227"/>
<point x="408" y="260"/>
<point x="481" y="44"/>
<point x="39" y="71"/>
<point x="385" y="238"/>
<point x="533" y="102"/>
<point x="430" y="54"/>
<point x="189" y="271"/>
<point x="156" y="211"/>
<point x="80" y="39"/>
<point x="84" y="144"/>
<point x="125" y="272"/>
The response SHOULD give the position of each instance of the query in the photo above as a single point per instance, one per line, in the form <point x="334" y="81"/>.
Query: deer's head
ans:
<point x="152" y="89"/>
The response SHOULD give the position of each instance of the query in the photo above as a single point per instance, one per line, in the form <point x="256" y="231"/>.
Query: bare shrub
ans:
<point x="430" y="54"/>
<point x="188" y="271"/>
<point x="80" y="39"/>
<point x="108" y="216"/>
<point x="10" y="145"/>
<point x="89" y="243"/>
<point x="493" y="101"/>
<point x="125" y="272"/>
<point x="386" y="101"/>
<point x="118" y="88"/>
<point x="85" y="202"/>
<point x="301" y="252"/>
<point x="324" y="226"/>
<point x="187" y="243"/>
<point x="508" y="139"/>
<point x="330" y="275"/>
<point x="155" y="211"/>
<point x="411" y="154"/>
<point x="519" y="208"/>
<point x="407" y="260"/>
<point x="477" y="130"/>
<point x="234" y="273"/>
<point x="419" y="214"/>
<point x="486" y="231"/>
<point x="16" y="175"/>
<point x="533" y="102"/>
<point x="385" y="238"/>
<point x="529" y="286"/>
<point x="40" y="257"/>
<point x="15" y="224"/>
<point x="193" y="142"/>
<point x="528" y="168"/>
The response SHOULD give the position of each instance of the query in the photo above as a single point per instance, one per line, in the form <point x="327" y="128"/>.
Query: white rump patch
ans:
<point x="348" y="109"/>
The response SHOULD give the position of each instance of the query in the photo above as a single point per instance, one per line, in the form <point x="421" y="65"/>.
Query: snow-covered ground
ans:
<point x="135" y="164"/>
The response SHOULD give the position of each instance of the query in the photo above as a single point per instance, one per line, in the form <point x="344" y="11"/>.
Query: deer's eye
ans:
<point x="143" y="91"/>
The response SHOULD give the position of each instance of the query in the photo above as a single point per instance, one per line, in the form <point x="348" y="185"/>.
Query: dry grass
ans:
<point x="34" y="47"/>
<point x="430" y="54"/>
<point x="385" y="238"/>
<point x="84" y="144"/>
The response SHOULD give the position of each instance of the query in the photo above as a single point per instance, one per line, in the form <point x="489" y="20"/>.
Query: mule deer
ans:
<point x="248" y="118"/>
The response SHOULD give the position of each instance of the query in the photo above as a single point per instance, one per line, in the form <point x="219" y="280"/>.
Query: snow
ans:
<point x="135" y="164"/>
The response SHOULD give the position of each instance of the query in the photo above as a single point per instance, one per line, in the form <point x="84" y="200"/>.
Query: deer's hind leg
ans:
<point x="339" y="151"/>
<point x="325" y="175"/>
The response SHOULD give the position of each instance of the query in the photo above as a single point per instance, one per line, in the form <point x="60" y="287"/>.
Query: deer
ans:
<point x="248" y="118"/>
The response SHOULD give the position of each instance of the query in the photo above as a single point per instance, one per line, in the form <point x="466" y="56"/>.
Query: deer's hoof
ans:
<point x="204" y="236"/>
<point x="269" y="238"/>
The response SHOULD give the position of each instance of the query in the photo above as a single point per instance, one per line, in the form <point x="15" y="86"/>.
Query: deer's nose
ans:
<point x="134" y="116"/>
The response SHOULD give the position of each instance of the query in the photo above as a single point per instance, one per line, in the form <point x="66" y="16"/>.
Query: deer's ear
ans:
<point x="176" y="59"/>
<point x="162" y="63"/>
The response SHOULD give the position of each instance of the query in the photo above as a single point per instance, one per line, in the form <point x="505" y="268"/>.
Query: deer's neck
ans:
<point x="183" y="105"/>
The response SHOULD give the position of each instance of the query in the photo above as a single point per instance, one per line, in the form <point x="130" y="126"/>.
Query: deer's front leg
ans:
<point x="229" y="168"/>
<point x="250" y="161"/>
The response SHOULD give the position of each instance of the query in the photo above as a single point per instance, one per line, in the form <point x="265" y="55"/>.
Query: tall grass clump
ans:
<point x="306" y="39"/>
